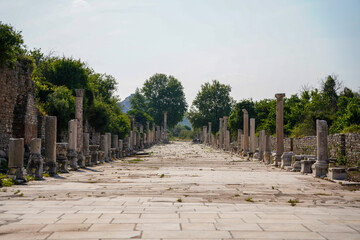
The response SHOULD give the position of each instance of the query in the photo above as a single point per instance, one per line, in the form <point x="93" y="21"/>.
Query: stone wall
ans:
<point x="307" y="145"/>
<point x="18" y="113"/>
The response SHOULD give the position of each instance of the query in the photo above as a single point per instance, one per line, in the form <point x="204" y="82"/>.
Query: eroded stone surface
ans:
<point x="181" y="190"/>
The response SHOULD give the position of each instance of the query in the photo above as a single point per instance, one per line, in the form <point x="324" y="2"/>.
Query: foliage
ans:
<point x="61" y="103"/>
<point x="138" y="102"/>
<point x="11" y="45"/>
<point x="341" y="111"/>
<point x="164" y="93"/>
<point x="55" y="82"/>
<point x="141" y="117"/>
<point x="212" y="102"/>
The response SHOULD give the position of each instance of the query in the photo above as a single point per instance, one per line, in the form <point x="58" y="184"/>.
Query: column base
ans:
<point x="35" y="166"/>
<point x="277" y="161"/>
<point x="51" y="168"/>
<point x="72" y="156"/>
<point x="320" y="169"/>
<point x="18" y="174"/>
<point x="80" y="160"/>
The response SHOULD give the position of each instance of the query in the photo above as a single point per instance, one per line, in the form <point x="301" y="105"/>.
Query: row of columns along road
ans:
<point x="77" y="152"/>
<point x="245" y="145"/>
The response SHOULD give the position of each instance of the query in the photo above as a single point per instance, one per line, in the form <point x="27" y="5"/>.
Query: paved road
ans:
<point x="180" y="191"/>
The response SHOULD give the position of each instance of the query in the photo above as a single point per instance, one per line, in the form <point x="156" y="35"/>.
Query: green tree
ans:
<point x="212" y="102"/>
<point x="141" y="117"/>
<point x="61" y="103"/>
<point x="165" y="93"/>
<point x="11" y="45"/>
<point x="236" y="119"/>
<point x="138" y="102"/>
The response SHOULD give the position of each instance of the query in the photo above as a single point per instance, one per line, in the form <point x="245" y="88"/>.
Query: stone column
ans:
<point x="50" y="145"/>
<point x="108" y="157"/>
<point x="72" y="155"/>
<point x="220" y="133"/>
<point x="94" y="154"/>
<point x="227" y="140"/>
<point x="86" y="150"/>
<point x="321" y="165"/>
<point x="35" y="164"/>
<point x="279" y="128"/>
<point x="148" y="141"/>
<point x="261" y="144"/>
<point x="96" y="138"/>
<point x="239" y="140"/>
<point x="246" y="132"/>
<point x="252" y="135"/>
<point x="165" y="126"/>
<point x="115" y="146"/>
<point x="154" y="133"/>
<point x="121" y="148"/>
<point x="225" y="119"/>
<point x="158" y="133"/>
<point x="79" y="132"/>
<point x="16" y="169"/>
<point x="267" y="149"/>
<point x="104" y="148"/>
<point x="61" y="158"/>
<point x="205" y="133"/>
<point x="209" y="135"/>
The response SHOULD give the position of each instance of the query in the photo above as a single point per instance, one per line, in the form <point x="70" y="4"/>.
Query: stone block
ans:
<point x="337" y="173"/>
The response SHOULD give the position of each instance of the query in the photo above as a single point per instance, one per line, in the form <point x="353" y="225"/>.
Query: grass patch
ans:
<point x="322" y="194"/>
<point x="46" y="175"/>
<point x="293" y="202"/>
<point x="272" y="187"/>
<point x="179" y="200"/>
<point x="7" y="182"/>
<point x="249" y="199"/>
<point x="237" y="195"/>
<point x="135" y="160"/>
<point x="162" y="175"/>
<point x="17" y="192"/>
<point x="30" y="178"/>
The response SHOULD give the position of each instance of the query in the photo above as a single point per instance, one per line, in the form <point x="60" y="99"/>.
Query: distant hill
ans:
<point x="125" y="104"/>
<point x="185" y="122"/>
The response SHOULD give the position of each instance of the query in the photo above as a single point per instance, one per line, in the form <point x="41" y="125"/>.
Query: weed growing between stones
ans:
<point x="179" y="200"/>
<point x="162" y="175"/>
<point x="249" y="199"/>
<point x="293" y="202"/>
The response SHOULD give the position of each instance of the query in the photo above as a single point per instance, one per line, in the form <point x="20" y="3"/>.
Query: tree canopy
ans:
<point x="164" y="93"/>
<point x="212" y="102"/>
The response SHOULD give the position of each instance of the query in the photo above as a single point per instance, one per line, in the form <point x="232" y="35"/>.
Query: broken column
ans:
<point x="103" y="148"/>
<point x="79" y="132"/>
<point x="225" y="119"/>
<point x="86" y="150"/>
<point x="165" y="127"/>
<point x="108" y="156"/>
<point x="205" y="134"/>
<point x="72" y="155"/>
<point x="252" y="135"/>
<point x="246" y="132"/>
<point x="121" y="148"/>
<point x="239" y="140"/>
<point x="209" y="135"/>
<point x="148" y="138"/>
<point x="267" y="149"/>
<point x="35" y="164"/>
<point x="50" y="145"/>
<point x="320" y="168"/>
<point x="220" y="133"/>
<point x="115" y="146"/>
<point x="227" y="140"/>
<point x="61" y="158"/>
<point x="16" y="169"/>
<point x="262" y="142"/>
<point x="94" y="154"/>
<point x="279" y="127"/>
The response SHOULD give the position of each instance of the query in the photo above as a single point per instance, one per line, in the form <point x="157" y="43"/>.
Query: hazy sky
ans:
<point x="258" y="47"/>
